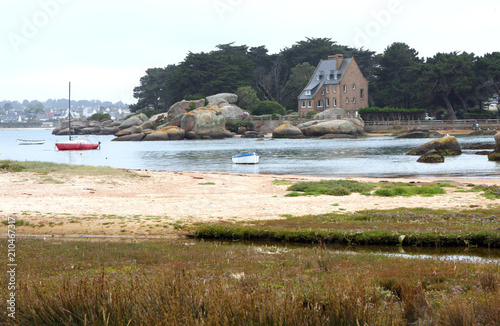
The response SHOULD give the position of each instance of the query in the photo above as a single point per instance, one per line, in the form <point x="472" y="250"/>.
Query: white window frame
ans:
<point x="334" y="101"/>
<point x="308" y="93"/>
<point x="354" y="100"/>
<point x="327" y="102"/>
<point x="346" y="100"/>
<point x="319" y="104"/>
<point x="327" y="89"/>
<point x="345" y="88"/>
<point x="362" y="93"/>
<point x="303" y="104"/>
<point x="335" y="88"/>
<point x="309" y="104"/>
<point x="353" y="86"/>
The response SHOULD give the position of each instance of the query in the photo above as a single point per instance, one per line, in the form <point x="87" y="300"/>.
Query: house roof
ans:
<point x="325" y="74"/>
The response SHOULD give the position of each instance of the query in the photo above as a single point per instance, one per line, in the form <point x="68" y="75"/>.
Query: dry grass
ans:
<point x="202" y="283"/>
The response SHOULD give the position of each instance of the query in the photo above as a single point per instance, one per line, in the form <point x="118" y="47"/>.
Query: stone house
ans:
<point x="336" y="83"/>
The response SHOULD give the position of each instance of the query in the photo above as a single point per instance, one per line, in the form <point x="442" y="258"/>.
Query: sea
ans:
<point x="377" y="156"/>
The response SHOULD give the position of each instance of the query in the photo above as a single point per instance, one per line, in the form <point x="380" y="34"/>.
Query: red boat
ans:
<point x="75" y="144"/>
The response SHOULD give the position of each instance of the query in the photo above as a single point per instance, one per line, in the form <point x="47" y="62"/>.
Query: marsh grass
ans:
<point x="201" y="283"/>
<point x="346" y="187"/>
<point x="328" y="187"/>
<point x="46" y="168"/>
<point x="420" y="227"/>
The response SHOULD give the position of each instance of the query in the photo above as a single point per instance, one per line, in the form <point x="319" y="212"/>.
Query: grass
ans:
<point x="420" y="227"/>
<point x="210" y="283"/>
<point x="45" y="168"/>
<point x="328" y="187"/>
<point x="346" y="187"/>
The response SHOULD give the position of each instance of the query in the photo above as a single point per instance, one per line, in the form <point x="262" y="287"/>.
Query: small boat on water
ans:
<point x="250" y="158"/>
<point x="31" y="141"/>
<point x="75" y="144"/>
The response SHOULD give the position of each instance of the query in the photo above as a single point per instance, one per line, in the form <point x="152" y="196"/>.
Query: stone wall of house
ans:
<point x="352" y="77"/>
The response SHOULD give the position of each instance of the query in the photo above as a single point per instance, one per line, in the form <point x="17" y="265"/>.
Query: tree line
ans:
<point x="452" y="84"/>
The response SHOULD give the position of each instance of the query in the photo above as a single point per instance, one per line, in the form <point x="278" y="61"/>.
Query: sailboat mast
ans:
<point x="69" y="111"/>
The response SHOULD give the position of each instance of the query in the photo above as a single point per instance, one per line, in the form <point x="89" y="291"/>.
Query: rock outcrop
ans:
<point x="230" y="98"/>
<point x="432" y="156"/>
<point x="184" y="106"/>
<point x="87" y="127"/>
<point x="495" y="156"/>
<point x="331" y="114"/>
<point x="419" y="134"/>
<point x="343" y="126"/>
<point x="287" y="130"/>
<point x="447" y="145"/>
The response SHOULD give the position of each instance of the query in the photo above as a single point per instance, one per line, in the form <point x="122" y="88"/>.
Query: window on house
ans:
<point x="327" y="101"/>
<point x="345" y="88"/>
<point x="309" y="104"/>
<point x="319" y="104"/>
<point x="308" y="92"/>
<point x="322" y="92"/>
<point x="334" y="101"/>
<point x="327" y="89"/>
<point x="354" y="100"/>
<point x="353" y="86"/>
<point x="362" y="93"/>
<point x="347" y="100"/>
<point x="303" y="104"/>
<point x="335" y="88"/>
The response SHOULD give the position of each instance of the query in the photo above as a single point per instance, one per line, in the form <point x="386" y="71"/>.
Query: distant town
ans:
<point x="51" y="112"/>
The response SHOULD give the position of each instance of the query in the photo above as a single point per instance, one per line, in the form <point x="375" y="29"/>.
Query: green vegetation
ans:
<point x="207" y="183"/>
<point x="372" y="227"/>
<point x="444" y="85"/>
<point x="376" y="113"/>
<point x="99" y="117"/>
<point x="68" y="169"/>
<point x="195" y="283"/>
<point x="410" y="190"/>
<point x="419" y="226"/>
<point x="346" y="187"/>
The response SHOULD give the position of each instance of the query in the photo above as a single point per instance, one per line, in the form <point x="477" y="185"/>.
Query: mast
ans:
<point x="69" y="112"/>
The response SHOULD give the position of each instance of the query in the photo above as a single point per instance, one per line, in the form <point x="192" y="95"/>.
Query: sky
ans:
<point x="104" y="47"/>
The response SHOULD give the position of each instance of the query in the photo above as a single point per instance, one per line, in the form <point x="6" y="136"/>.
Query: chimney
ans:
<point x="339" y="58"/>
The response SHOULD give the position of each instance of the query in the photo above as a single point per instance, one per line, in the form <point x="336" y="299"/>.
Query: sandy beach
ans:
<point x="161" y="203"/>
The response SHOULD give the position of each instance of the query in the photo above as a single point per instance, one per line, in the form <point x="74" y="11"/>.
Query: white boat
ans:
<point x="250" y="158"/>
<point x="31" y="141"/>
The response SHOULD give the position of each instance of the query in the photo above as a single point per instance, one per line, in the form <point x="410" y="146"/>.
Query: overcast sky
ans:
<point x="104" y="46"/>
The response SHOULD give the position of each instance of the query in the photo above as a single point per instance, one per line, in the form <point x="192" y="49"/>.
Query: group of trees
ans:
<point x="458" y="81"/>
<point x="399" y="78"/>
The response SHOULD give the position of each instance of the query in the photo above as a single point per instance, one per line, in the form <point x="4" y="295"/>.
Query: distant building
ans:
<point x="336" y="83"/>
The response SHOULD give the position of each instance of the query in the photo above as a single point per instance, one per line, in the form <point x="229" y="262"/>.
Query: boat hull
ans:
<point x="76" y="146"/>
<point x="251" y="158"/>
<point x="31" y="141"/>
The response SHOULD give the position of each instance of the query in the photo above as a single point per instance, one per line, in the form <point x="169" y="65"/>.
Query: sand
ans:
<point x="162" y="203"/>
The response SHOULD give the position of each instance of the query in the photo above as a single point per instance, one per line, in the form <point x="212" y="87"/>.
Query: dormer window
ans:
<point x="308" y="92"/>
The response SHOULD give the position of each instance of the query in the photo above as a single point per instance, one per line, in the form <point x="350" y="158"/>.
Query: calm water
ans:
<point x="363" y="157"/>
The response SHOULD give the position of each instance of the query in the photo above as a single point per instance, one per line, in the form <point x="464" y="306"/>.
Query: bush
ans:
<point x="309" y="115"/>
<point x="270" y="107"/>
<point x="99" y="117"/>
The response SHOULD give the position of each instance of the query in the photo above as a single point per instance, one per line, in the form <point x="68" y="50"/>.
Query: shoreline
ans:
<point x="162" y="203"/>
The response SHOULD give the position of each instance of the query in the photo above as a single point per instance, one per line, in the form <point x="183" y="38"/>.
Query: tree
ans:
<point x="247" y="99"/>
<point x="446" y="74"/>
<point x="488" y="72"/>
<point x="394" y="82"/>
<point x="153" y="91"/>
<point x="299" y="77"/>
